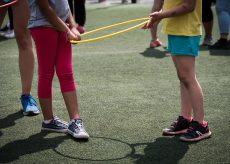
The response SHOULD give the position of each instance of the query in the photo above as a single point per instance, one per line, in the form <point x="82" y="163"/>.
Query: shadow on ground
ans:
<point x="216" y="52"/>
<point x="155" y="52"/>
<point x="35" y="143"/>
<point x="9" y="120"/>
<point x="163" y="150"/>
<point x="2" y="39"/>
<point x="220" y="52"/>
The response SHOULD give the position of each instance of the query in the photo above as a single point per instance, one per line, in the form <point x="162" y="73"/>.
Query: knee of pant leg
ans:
<point x="45" y="85"/>
<point x="66" y="82"/>
<point x="224" y="21"/>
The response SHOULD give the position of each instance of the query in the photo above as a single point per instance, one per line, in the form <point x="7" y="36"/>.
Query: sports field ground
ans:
<point x="127" y="94"/>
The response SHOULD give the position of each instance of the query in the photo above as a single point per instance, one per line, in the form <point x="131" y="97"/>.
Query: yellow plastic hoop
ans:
<point x="113" y="34"/>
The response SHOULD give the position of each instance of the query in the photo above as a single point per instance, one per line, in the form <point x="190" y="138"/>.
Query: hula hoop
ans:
<point x="113" y="34"/>
<point x="8" y="4"/>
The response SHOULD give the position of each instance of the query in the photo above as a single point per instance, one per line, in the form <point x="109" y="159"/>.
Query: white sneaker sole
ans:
<point x="31" y="113"/>
<point x="204" y="136"/>
<point x="78" y="136"/>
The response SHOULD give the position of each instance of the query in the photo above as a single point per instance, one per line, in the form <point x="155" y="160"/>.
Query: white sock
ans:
<point x="47" y="121"/>
<point x="73" y="120"/>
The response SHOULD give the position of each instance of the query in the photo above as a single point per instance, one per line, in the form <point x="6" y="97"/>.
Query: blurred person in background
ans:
<point x="21" y="14"/>
<point x="155" y="42"/>
<point x="207" y="20"/>
<point x="126" y="1"/>
<point x="223" y="13"/>
<point x="77" y="8"/>
<point x="8" y="30"/>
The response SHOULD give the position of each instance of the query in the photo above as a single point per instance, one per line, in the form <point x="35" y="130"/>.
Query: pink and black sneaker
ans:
<point x="81" y="29"/>
<point x="179" y="126"/>
<point x="155" y="43"/>
<point x="196" y="132"/>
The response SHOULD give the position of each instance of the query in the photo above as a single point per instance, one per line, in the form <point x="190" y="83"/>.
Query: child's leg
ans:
<point x="154" y="31"/>
<point x="186" y="106"/>
<point x="23" y="38"/>
<point x="71" y="104"/>
<point x="46" y="48"/>
<point x="185" y="66"/>
<point x="79" y="12"/>
<point x="155" y="42"/>
<point x="207" y="17"/>
<point x="2" y="15"/>
<point x="223" y="13"/>
<point x="65" y="75"/>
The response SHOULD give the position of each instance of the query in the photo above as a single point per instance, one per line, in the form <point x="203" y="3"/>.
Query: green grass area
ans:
<point x="127" y="94"/>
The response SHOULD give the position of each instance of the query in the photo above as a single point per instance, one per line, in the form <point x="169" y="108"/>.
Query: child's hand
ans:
<point x="76" y="33"/>
<point x="153" y="18"/>
<point x="73" y="34"/>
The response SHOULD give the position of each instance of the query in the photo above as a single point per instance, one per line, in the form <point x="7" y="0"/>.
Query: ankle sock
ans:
<point x="47" y="121"/>
<point x="75" y="119"/>
<point x="204" y="124"/>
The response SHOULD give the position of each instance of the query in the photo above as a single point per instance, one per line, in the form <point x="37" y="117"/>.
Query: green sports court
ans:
<point x="127" y="94"/>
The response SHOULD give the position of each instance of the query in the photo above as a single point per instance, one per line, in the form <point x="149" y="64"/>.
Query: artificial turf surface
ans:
<point x="127" y="94"/>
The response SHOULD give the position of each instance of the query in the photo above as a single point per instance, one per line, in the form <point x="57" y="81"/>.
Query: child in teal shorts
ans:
<point x="182" y="23"/>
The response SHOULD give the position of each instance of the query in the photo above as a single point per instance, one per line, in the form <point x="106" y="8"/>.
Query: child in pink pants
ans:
<point x="51" y="36"/>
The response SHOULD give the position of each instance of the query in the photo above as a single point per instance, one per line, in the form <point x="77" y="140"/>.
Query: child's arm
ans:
<point x="73" y="26"/>
<point x="186" y="7"/>
<point x="50" y="14"/>
<point x="157" y="5"/>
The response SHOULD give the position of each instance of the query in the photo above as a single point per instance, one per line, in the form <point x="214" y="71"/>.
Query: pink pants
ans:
<point x="54" y="52"/>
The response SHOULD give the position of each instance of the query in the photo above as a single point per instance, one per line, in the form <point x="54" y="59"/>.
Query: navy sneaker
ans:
<point x="179" y="126"/>
<point x="77" y="130"/>
<point x="196" y="132"/>
<point x="29" y="105"/>
<point x="56" y="125"/>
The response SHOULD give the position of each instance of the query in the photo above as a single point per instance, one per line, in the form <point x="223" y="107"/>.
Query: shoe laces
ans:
<point x="79" y="123"/>
<point x="190" y="129"/>
<point x="57" y="120"/>
<point x="193" y="126"/>
<point x="174" y="123"/>
<point x="74" y="126"/>
<point x="30" y="101"/>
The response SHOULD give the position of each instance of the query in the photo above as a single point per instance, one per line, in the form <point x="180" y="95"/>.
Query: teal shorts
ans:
<point x="183" y="45"/>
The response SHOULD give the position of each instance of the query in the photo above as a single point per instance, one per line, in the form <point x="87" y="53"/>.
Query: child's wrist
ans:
<point x="68" y="32"/>
<point x="71" y="25"/>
